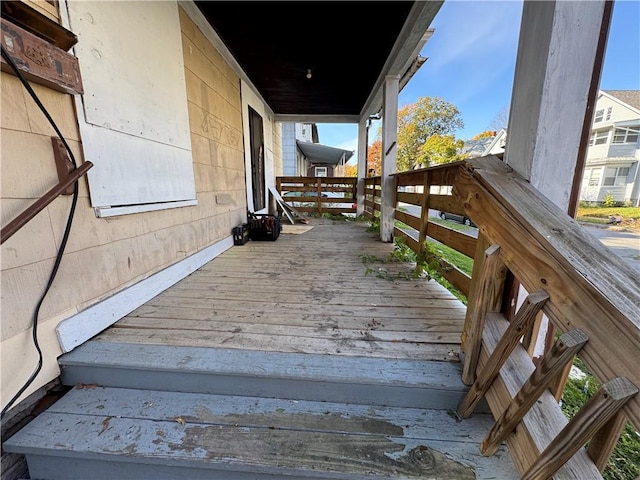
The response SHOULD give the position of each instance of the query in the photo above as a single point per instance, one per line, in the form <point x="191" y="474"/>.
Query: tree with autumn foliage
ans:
<point x="374" y="159"/>
<point x="485" y="134"/>
<point x="417" y="123"/>
<point x="351" y="170"/>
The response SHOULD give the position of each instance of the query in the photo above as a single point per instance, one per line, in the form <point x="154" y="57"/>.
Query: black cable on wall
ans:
<point x="63" y="243"/>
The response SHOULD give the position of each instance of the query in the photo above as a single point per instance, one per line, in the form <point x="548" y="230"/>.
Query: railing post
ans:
<point x="605" y="440"/>
<point x="487" y="298"/>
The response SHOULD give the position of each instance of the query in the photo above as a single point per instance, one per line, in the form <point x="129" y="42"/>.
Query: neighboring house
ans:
<point x="614" y="149"/>
<point x="293" y="161"/>
<point x="485" y="146"/>
<point x="303" y="155"/>
<point x="322" y="160"/>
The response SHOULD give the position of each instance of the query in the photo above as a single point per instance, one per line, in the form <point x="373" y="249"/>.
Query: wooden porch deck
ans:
<point x="275" y="360"/>
<point x="305" y="293"/>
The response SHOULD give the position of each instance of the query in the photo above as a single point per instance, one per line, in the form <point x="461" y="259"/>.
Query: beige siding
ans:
<point x="105" y="255"/>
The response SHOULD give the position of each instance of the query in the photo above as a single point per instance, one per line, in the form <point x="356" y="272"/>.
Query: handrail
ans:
<point x="590" y="296"/>
<point x="21" y="220"/>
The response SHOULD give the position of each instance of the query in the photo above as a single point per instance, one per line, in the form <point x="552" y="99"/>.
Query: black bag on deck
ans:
<point x="264" y="226"/>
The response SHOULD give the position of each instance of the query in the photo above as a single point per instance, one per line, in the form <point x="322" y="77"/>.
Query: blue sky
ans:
<point x="471" y="61"/>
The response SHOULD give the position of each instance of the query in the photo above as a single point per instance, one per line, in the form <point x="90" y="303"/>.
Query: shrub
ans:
<point x="608" y="200"/>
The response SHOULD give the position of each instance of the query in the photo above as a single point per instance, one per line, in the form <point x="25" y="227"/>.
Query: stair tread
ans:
<point x="269" y="436"/>
<point x="318" y="368"/>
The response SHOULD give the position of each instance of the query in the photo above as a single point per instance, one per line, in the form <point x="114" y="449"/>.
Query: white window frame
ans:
<point x="593" y="176"/>
<point x="318" y="171"/>
<point x="599" y="138"/>
<point x="623" y="135"/>
<point x="599" y="116"/>
<point x="618" y="178"/>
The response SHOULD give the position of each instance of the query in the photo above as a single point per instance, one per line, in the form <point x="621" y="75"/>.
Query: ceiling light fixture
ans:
<point x="309" y="73"/>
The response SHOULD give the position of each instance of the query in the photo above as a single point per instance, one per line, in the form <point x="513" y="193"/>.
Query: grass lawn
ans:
<point x="600" y="215"/>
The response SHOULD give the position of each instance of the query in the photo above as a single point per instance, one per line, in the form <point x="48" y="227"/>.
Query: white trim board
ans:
<point x="75" y="330"/>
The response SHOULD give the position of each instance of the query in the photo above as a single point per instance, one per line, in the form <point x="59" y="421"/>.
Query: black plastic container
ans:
<point x="241" y="234"/>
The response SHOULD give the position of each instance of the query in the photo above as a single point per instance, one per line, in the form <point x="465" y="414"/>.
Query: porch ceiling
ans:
<point x="349" y="47"/>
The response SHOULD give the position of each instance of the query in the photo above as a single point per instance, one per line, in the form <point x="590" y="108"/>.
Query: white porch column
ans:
<point x="362" y="165"/>
<point x="554" y="68"/>
<point x="556" y="76"/>
<point x="389" y="150"/>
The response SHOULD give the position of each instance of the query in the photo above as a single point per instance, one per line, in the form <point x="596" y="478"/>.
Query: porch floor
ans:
<point x="286" y="359"/>
<point x="306" y="293"/>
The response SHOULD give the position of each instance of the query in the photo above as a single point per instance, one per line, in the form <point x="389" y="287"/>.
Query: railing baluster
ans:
<point x="590" y="419"/>
<point x="563" y="351"/>
<point x="488" y="298"/>
<point x="424" y="214"/>
<point x="522" y="321"/>
<point x="604" y="440"/>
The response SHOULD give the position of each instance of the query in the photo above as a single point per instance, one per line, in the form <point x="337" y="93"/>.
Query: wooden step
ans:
<point x="115" y="433"/>
<point x="331" y="378"/>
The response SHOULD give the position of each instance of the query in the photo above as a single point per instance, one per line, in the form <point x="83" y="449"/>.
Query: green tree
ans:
<point x="417" y="122"/>
<point x="440" y="149"/>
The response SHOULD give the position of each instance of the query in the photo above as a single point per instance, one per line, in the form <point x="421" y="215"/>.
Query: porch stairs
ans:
<point x="167" y="412"/>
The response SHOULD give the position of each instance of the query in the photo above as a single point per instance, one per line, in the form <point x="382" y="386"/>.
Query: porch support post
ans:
<point x="389" y="149"/>
<point x="362" y="165"/>
<point x="557" y="55"/>
<point x="555" y="85"/>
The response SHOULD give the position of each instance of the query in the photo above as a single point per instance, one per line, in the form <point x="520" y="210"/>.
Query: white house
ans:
<point x="614" y="149"/>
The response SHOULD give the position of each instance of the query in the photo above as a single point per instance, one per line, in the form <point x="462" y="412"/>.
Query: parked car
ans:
<point x="457" y="218"/>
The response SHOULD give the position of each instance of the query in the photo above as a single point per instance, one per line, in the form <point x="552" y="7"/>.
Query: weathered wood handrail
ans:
<point x="312" y="189"/>
<point x="590" y="290"/>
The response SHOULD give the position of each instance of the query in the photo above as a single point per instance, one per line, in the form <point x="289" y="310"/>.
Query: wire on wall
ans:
<point x="63" y="242"/>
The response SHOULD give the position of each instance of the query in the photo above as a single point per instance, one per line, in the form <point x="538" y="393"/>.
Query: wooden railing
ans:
<point x="319" y="195"/>
<point x="588" y="294"/>
<point x="532" y="255"/>
<point x="426" y="189"/>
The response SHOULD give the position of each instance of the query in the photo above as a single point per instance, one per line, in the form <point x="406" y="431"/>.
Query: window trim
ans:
<point x="326" y="171"/>
<point x="628" y="131"/>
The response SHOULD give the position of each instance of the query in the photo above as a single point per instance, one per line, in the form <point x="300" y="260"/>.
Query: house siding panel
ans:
<point x="104" y="256"/>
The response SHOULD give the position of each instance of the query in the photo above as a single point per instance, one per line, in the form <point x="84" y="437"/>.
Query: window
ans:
<point x="626" y="135"/>
<point x="599" y="138"/>
<point x="133" y="115"/>
<point x="321" y="171"/>
<point x="603" y="114"/>
<point x="615" y="176"/>
<point x="592" y="177"/>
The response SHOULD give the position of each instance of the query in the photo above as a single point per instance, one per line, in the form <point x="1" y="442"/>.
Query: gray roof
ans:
<point x="317" y="153"/>
<point x="630" y="97"/>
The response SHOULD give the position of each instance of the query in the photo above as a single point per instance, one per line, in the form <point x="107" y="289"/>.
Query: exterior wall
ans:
<point x="105" y="255"/>
<point x="601" y="159"/>
<point x="289" y="150"/>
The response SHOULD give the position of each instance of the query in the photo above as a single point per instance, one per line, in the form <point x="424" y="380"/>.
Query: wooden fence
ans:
<point x="319" y="195"/>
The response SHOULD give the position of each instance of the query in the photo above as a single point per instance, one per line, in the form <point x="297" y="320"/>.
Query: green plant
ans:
<point x="608" y="200"/>
<point x="374" y="225"/>
<point x="624" y="463"/>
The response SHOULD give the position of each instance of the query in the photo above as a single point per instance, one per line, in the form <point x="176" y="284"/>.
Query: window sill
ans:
<point x="104" y="212"/>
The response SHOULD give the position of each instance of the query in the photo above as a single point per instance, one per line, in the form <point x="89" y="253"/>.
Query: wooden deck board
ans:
<point x="332" y="290"/>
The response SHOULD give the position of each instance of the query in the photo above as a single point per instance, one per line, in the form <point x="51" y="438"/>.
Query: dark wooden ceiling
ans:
<point x="344" y="43"/>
